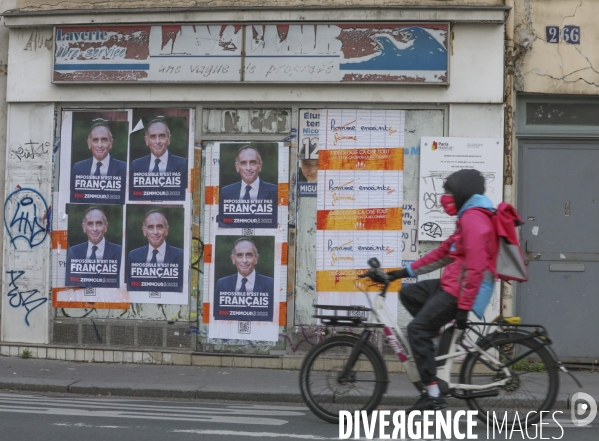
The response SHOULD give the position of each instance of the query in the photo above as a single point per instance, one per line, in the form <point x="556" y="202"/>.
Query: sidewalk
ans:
<point x="202" y="382"/>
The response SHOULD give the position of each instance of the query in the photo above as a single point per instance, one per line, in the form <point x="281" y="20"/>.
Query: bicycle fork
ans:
<point x="353" y="356"/>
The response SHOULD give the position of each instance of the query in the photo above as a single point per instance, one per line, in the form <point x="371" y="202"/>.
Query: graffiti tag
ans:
<point x="23" y="299"/>
<point x="25" y="213"/>
<point x="31" y="150"/>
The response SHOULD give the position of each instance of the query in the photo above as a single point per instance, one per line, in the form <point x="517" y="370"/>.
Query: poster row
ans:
<point x="118" y="156"/>
<point x="152" y="257"/>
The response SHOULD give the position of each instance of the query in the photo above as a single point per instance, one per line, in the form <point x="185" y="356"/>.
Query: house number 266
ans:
<point x="569" y="34"/>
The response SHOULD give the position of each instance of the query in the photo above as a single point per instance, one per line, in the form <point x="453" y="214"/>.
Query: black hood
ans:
<point x="464" y="184"/>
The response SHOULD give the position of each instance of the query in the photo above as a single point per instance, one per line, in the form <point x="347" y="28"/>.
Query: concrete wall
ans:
<point x="38" y="5"/>
<point x="4" y="5"/>
<point x="543" y="67"/>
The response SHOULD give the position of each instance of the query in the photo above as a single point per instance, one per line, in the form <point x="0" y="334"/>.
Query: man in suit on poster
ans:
<point x="244" y="256"/>
<point x="96" y="248"/>
<point x="101" y="164"/>
<point x="158" y="251"/>
<point x="248" y="163"/>
<point x="155" y="229"/>
<point x="160" y="160"/>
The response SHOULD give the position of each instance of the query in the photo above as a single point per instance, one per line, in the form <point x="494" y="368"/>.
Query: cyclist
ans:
<point x="468" y="256"/>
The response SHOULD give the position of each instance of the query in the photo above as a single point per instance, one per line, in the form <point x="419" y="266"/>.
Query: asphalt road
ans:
<point x="56" y="417"/>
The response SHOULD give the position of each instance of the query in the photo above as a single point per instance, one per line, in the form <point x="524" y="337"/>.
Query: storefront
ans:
<point x="299" y="102"/>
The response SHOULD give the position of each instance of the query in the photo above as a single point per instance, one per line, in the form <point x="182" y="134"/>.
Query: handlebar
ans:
<point x="376" y="274"/>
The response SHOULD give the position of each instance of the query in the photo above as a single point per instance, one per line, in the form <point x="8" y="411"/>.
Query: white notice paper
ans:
<point x="442" y="156"/>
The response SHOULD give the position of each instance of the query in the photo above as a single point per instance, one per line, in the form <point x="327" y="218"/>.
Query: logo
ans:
<point x="441" y="146"/>
<point x="581" y="404"/>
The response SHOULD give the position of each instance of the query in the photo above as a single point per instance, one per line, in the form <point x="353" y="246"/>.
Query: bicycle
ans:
<point x="512" y="368"/>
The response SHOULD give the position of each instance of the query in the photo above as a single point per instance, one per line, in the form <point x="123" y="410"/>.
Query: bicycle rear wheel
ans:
<point x="323" y="391"/>
<point x="533" y="385"/>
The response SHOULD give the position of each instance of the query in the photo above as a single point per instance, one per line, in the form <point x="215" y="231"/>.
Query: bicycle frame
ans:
<point x="400" y="344"/>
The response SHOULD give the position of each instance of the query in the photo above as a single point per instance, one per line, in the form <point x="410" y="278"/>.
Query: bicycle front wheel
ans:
<point x="326" y="394"/>
<point x="532" y="385"/>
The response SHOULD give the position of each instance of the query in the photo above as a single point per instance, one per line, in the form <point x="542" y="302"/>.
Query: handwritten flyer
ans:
<point x="442" y="156"/>
<point x="359" y="199"/>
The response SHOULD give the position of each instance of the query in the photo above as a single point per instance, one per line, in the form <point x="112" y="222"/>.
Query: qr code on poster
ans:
<point x="90" y="291"/>
<point x="154" y="294"/>
<point x="244" y="327"/>
<point x="248" y="231"/>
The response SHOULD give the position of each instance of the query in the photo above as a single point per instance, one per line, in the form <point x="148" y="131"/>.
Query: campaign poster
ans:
<point x="248" y="185"/>
<point x="154" y="248"/>
<point x="159" y="153"/>
<point x="244" y="278"/>
<point x="307" y="177"/>
<point x="97" y="142"/>
<point x="309" y="129"/>
<point x="94" y="253"/>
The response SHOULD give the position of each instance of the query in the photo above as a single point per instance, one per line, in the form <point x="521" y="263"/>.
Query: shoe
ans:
<point x="426" y="402"/>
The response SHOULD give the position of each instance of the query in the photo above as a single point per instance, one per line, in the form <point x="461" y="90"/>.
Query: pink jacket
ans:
<point x="468" y="255"/>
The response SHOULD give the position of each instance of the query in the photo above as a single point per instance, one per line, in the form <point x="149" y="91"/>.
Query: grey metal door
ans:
<point x="559" y="200"/>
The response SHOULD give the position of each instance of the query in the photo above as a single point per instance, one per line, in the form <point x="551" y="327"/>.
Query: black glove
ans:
<point x="461" y="318"/>
<point x="398" y="274"/>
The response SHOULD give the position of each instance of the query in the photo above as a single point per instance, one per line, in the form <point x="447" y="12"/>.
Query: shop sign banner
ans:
<point x="110" y="246"/>
<point x="245" y="240"/>
<point x="442" y="156"/>
<point x="407" y="53"/>
<point x="360" y="199"/>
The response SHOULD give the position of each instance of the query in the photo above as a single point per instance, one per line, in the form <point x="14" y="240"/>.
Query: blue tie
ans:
<point x="93" y="255"/>
<point x="153" y="260"/>
<point x="246" y="196"/>
<point x="156" y="162"/>
<point x="98" y="165"/>
<point x="243" y="282"/>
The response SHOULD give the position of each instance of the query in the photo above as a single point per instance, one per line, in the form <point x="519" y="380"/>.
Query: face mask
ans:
<point x="448" y="203"/>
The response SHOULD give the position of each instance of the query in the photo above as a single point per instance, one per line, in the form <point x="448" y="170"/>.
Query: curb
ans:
<point x="74" y="388"/>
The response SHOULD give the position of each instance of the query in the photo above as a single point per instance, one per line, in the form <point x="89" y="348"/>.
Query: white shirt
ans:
<point x="160" y="256"/>
<point x="99" y="251"/>
<point x="249" y="285"/>
<point x="103" y="168"/>
<point x="253" y="191"/>
<point x="161" y="164"/>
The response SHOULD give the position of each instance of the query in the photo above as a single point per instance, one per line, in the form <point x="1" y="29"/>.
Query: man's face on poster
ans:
<point x="100" y="141"/>
<point x="94" y="226"/>
<point x="249" y="165"/>
<point x="158" y="138"/>
<point x="310" y="169"/>
<point x="155" y="229"/>
<point x="245" y="257"/>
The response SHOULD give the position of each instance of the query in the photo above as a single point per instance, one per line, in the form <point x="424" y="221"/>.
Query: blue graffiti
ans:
<point x="25" y="299"/>
<point x="193" y="330"/>
<point x="29" y="211"/>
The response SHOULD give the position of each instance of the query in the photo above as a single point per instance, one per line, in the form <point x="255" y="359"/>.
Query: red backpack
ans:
<point x="509" y="262"/>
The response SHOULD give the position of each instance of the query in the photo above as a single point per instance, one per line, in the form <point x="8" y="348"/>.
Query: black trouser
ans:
<point x="431" y="308"/>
